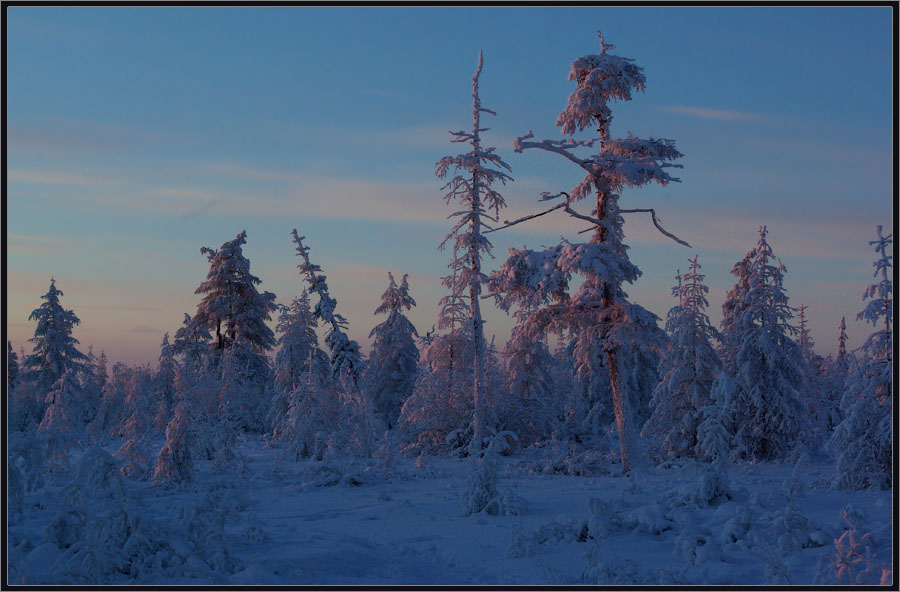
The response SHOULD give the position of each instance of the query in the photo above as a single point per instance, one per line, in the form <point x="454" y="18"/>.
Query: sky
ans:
<point x="137" y="135"/>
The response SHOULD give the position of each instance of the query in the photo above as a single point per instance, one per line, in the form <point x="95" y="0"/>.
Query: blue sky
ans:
<point x="137" y="135"/>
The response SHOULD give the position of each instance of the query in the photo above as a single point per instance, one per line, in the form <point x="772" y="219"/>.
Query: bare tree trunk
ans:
<point x="619" y="409"/>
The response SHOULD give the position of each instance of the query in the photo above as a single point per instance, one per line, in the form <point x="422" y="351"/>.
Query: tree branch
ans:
<point x="525" y="218"/>
<point x="656" y="223"/>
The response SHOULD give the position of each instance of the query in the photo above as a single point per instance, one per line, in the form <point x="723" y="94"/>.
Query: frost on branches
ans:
<point x="393" y="364"/>
<point x="688" y="369"/>
<point x="769" y="404"/>
<point x="863" y="440"/>
<point x="538" y="282"/>
<point x="474" y="173"/>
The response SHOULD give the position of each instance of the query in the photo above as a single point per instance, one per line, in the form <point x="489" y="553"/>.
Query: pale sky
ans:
<point x="138" y="135"/>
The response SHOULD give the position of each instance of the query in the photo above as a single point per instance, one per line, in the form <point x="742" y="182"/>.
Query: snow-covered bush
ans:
<point x="482" y="492"/>
<point x="858" y="558"/>
<point x="175" y="463"/>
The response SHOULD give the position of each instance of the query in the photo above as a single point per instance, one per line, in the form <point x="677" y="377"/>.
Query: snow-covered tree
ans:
<point x="174" y="464"/>
<point x="393" y="363"/>
<point x="61" y="426"/>
<point x="235" y="309"/>
<point x="346" y="361"/>
<point x="733" y="309"/>
<point x="192" y="344"/>
<point x="100" y="371"/>
<point x="231" y="304"/>
<point x="54" y="349"/>
<point x="864" y="439"/>
<point x="164" y="384"/>
<point x="539" y="281"/>
<point x="714" y="434"/>
<point x="769" y="405"/>
<point x="138" y="406"/>
<point x="473" y="175"/>
<point x="12" y="368"/>
<point x="804" y="338"/>
<point x="533" y="405"/>
<point x="298" y="355"/>
<point x="688" y="369"/>
<point x="837" y="371"/>
<point x="441" y="403"/>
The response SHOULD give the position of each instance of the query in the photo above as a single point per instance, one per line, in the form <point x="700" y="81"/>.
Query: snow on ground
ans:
<point x="342" y="523"/>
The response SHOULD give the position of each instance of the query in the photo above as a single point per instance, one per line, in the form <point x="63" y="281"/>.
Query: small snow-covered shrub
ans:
<point x="482" y="493"/>
<point x="649" y="519"/>
<point x="735" y="529"/>
<point x="606" y="568"/>
<point x="98" y="474"/>
<point x="856" y="560"/>
<point x="573" y="459"/>
<point x="604" y="518"/>
<point x="792" y="530"/>
<point x="696" y="547"/>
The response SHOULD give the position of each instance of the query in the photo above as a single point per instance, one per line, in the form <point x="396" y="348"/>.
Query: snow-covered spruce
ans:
<point x="54" y="350"/>
<point x="863" y="440"/>
<point x="688" y="369"/>
<point x="234" y="308"/>
<point x="298" y="360"/>
<point x="393" y="364"/>
<point x="769" y="404"/>
<point x="538" y="281"/>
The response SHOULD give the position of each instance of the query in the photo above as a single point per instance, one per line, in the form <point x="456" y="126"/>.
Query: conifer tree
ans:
<point x="346" y="361"/>
<point x="804" y="338"/>
<point x="164" y="384"/>
<point x="768" y="406"/>
<point x="474" y="173"/>
<point x="61" y="425"/>
<point x="393" y="363"/>
<point x="12" y="368"/>
<point x="864" y="439"/>
<point x="732" y="310"/>
<point x="231" y="304"/>
<point x="599" y="311"/>
<point x="54" y="350"/>
<point x="235" y="309"/>
<point x="298" y="356"/>
<point x="688" y="369"/>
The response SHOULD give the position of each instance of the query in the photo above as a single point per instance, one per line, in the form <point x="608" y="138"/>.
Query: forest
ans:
<point x="601" y="444"/>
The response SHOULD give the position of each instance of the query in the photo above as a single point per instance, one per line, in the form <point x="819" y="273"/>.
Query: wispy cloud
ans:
<point x="57" y="135"/>
<point x="57" y="178"/>
<point x="717" y="114"/>
<point x="18" y="243"/>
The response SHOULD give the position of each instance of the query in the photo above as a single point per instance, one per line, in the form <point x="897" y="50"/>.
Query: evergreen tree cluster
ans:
<point x="583" y="363"/>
